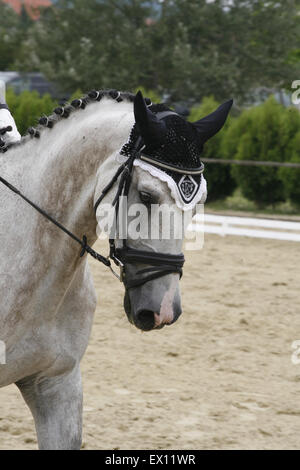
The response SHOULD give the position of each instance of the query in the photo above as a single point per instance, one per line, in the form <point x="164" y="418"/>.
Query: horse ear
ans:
<point x="150" y="128"/>
<point x="211" y="124"/>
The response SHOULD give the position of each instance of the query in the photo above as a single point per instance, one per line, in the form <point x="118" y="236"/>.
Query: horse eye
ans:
<point x="146" y="198"/>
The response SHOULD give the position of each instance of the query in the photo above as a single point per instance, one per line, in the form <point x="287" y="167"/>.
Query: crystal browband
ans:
<point x="183" y="171"/>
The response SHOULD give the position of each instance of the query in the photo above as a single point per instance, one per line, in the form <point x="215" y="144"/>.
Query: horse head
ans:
<point x="162" y="176"/>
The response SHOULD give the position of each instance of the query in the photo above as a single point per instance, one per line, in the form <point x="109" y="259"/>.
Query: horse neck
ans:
<point x="59" y="171"/>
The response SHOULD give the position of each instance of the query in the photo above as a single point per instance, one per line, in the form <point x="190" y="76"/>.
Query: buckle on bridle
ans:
<point x="120" y="265"/>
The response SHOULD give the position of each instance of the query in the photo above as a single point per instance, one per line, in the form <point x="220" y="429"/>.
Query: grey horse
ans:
<point x="47" y="295"/>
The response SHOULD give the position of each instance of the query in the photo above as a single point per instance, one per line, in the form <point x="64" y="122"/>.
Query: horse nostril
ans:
<point x="145" y="320"/>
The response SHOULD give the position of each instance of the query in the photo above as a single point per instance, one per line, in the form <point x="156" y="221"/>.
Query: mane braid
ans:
<point x="63" y="112"/>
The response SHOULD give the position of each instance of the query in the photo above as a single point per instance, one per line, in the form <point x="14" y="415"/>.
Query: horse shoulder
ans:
<point x="74" y="321"/>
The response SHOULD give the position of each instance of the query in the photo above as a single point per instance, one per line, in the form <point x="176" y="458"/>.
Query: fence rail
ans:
<point x="247" y="227"/>
<point x="222" y="161"/>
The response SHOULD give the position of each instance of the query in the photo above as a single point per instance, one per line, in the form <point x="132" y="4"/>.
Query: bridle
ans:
<point x="159" y="264"/>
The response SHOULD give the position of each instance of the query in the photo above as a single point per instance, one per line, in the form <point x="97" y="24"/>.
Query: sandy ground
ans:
<point x="220" y="378"/>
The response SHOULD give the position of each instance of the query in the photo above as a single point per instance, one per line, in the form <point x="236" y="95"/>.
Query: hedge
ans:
<point x="28" y="107"/>
<point x="291" y="177"/>
<point x="263" y="132"/>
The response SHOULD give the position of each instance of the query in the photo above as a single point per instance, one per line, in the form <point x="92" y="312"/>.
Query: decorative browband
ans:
<point x="173" y="168"/>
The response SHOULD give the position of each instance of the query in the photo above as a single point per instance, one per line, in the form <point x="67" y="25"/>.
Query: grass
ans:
<point x="238" y="203"/>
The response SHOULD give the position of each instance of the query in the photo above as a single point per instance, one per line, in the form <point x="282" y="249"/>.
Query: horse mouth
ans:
<point x="146" y="324"/>
<point x="146" y="320"/>
<point x="127" y="306"/>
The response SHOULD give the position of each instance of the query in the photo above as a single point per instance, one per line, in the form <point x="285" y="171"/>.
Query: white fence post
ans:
<point x="2" y="353"/>
<point x="224" y="228"/>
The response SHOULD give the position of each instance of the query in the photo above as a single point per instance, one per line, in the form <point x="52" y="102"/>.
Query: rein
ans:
<point x="83" y="243"/>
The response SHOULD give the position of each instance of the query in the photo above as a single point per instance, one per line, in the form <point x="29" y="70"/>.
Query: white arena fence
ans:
<point x="247" y="227"/>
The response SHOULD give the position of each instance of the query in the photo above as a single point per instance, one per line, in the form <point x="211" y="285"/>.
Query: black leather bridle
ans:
<point x="159" y="264"/>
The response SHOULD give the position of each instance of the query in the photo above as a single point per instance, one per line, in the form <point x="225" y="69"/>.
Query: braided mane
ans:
<point x="63" y="112"/>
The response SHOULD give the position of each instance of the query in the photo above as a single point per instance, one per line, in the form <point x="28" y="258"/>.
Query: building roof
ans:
<point x="32" y="6"/>
<point x="28" y="81"/>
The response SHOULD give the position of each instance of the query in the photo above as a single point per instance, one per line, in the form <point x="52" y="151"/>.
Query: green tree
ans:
<point x="98" y="44"/>
<point x="9" y="32"/>
<point x="230" y="51"/>
<point x="14" y="31"/>
<point x="183" y="49"/>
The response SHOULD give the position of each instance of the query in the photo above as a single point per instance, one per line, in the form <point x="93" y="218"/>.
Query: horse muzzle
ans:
<point x="153" y="306"/>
